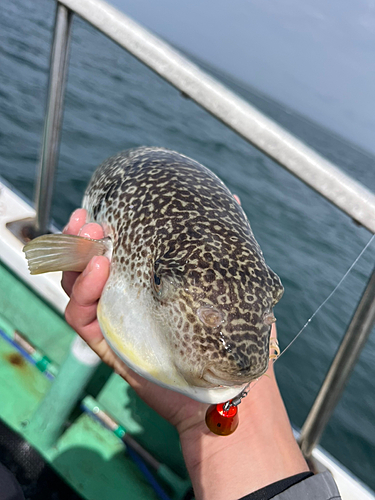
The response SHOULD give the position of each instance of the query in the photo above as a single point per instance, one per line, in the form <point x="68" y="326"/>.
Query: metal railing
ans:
<point x="318" y="173"/>
<point x="334" y="383"/>
<point x="53" y="118"/>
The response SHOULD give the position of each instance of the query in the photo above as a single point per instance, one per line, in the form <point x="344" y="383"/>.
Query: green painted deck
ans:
<point x="87" y="455"/>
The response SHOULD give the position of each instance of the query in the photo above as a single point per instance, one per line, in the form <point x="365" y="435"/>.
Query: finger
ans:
<point x="81" y="310"/>
<point x="89" y="286"/>
<point x="237" y="198"/>
<point x="76" y="221"/>
<point x="273" y="332"/>
<point x="90" y="230"/>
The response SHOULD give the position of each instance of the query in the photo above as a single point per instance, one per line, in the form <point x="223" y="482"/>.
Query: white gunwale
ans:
<point x="12" y="208"/>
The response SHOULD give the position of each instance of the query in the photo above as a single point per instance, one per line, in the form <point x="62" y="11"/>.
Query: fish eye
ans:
<point x="157" y="285"/>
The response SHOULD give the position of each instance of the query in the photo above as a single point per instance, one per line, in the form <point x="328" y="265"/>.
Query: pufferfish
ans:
<point x="189" y="300"/>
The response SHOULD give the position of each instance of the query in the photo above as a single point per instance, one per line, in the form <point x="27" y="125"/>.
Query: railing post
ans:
<point x="354" y="340"/>
<point x="53" y="117"/>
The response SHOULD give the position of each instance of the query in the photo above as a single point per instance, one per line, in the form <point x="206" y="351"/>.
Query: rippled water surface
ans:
<point x="113" y="102"/>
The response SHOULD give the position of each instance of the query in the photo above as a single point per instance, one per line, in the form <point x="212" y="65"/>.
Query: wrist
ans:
<point x="261" y="451"/>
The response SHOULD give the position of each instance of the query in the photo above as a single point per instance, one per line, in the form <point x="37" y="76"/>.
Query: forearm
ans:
<point x="261" y="451"/>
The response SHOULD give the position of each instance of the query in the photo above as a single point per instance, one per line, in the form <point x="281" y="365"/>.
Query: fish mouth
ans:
<point x="216" y="378"/>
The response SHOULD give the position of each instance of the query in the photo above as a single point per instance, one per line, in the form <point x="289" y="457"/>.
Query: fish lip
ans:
<point x="213" y="378"/>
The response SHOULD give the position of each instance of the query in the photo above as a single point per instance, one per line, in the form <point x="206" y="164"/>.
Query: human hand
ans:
<point x="84" y="290"/>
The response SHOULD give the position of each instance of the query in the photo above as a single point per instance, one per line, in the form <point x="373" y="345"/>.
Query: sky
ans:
<point x="316" y="56"/>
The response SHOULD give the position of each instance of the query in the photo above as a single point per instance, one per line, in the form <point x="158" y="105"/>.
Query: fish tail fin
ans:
<point x="62" y="252"/>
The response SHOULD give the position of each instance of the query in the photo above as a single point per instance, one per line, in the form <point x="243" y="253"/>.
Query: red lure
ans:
<point x="220" y="421"/>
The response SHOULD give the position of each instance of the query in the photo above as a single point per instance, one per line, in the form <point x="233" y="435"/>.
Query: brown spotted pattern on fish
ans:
<point x="185" y="244"/>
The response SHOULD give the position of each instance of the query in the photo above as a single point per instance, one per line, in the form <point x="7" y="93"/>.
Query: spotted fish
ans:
<point x="188" y="303"/>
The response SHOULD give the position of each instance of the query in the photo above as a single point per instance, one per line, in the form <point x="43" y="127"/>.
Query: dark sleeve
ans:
<point x="9" y="487"/>
<point x="301" y="486"/>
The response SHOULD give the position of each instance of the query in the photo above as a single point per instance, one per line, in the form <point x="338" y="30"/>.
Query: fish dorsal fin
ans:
<point x="62" y="252"/>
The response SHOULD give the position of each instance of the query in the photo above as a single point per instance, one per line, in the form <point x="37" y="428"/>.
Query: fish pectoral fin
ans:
<point x="62" y="252"/>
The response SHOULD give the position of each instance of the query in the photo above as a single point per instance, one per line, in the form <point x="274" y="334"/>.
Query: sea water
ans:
<point x="113" y="103"/>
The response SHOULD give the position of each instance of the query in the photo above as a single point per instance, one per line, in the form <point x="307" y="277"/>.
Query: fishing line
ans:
<point x="328" y="298"/>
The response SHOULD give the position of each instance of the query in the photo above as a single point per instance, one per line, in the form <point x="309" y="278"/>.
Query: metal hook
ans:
<point x="235" y="401"/>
